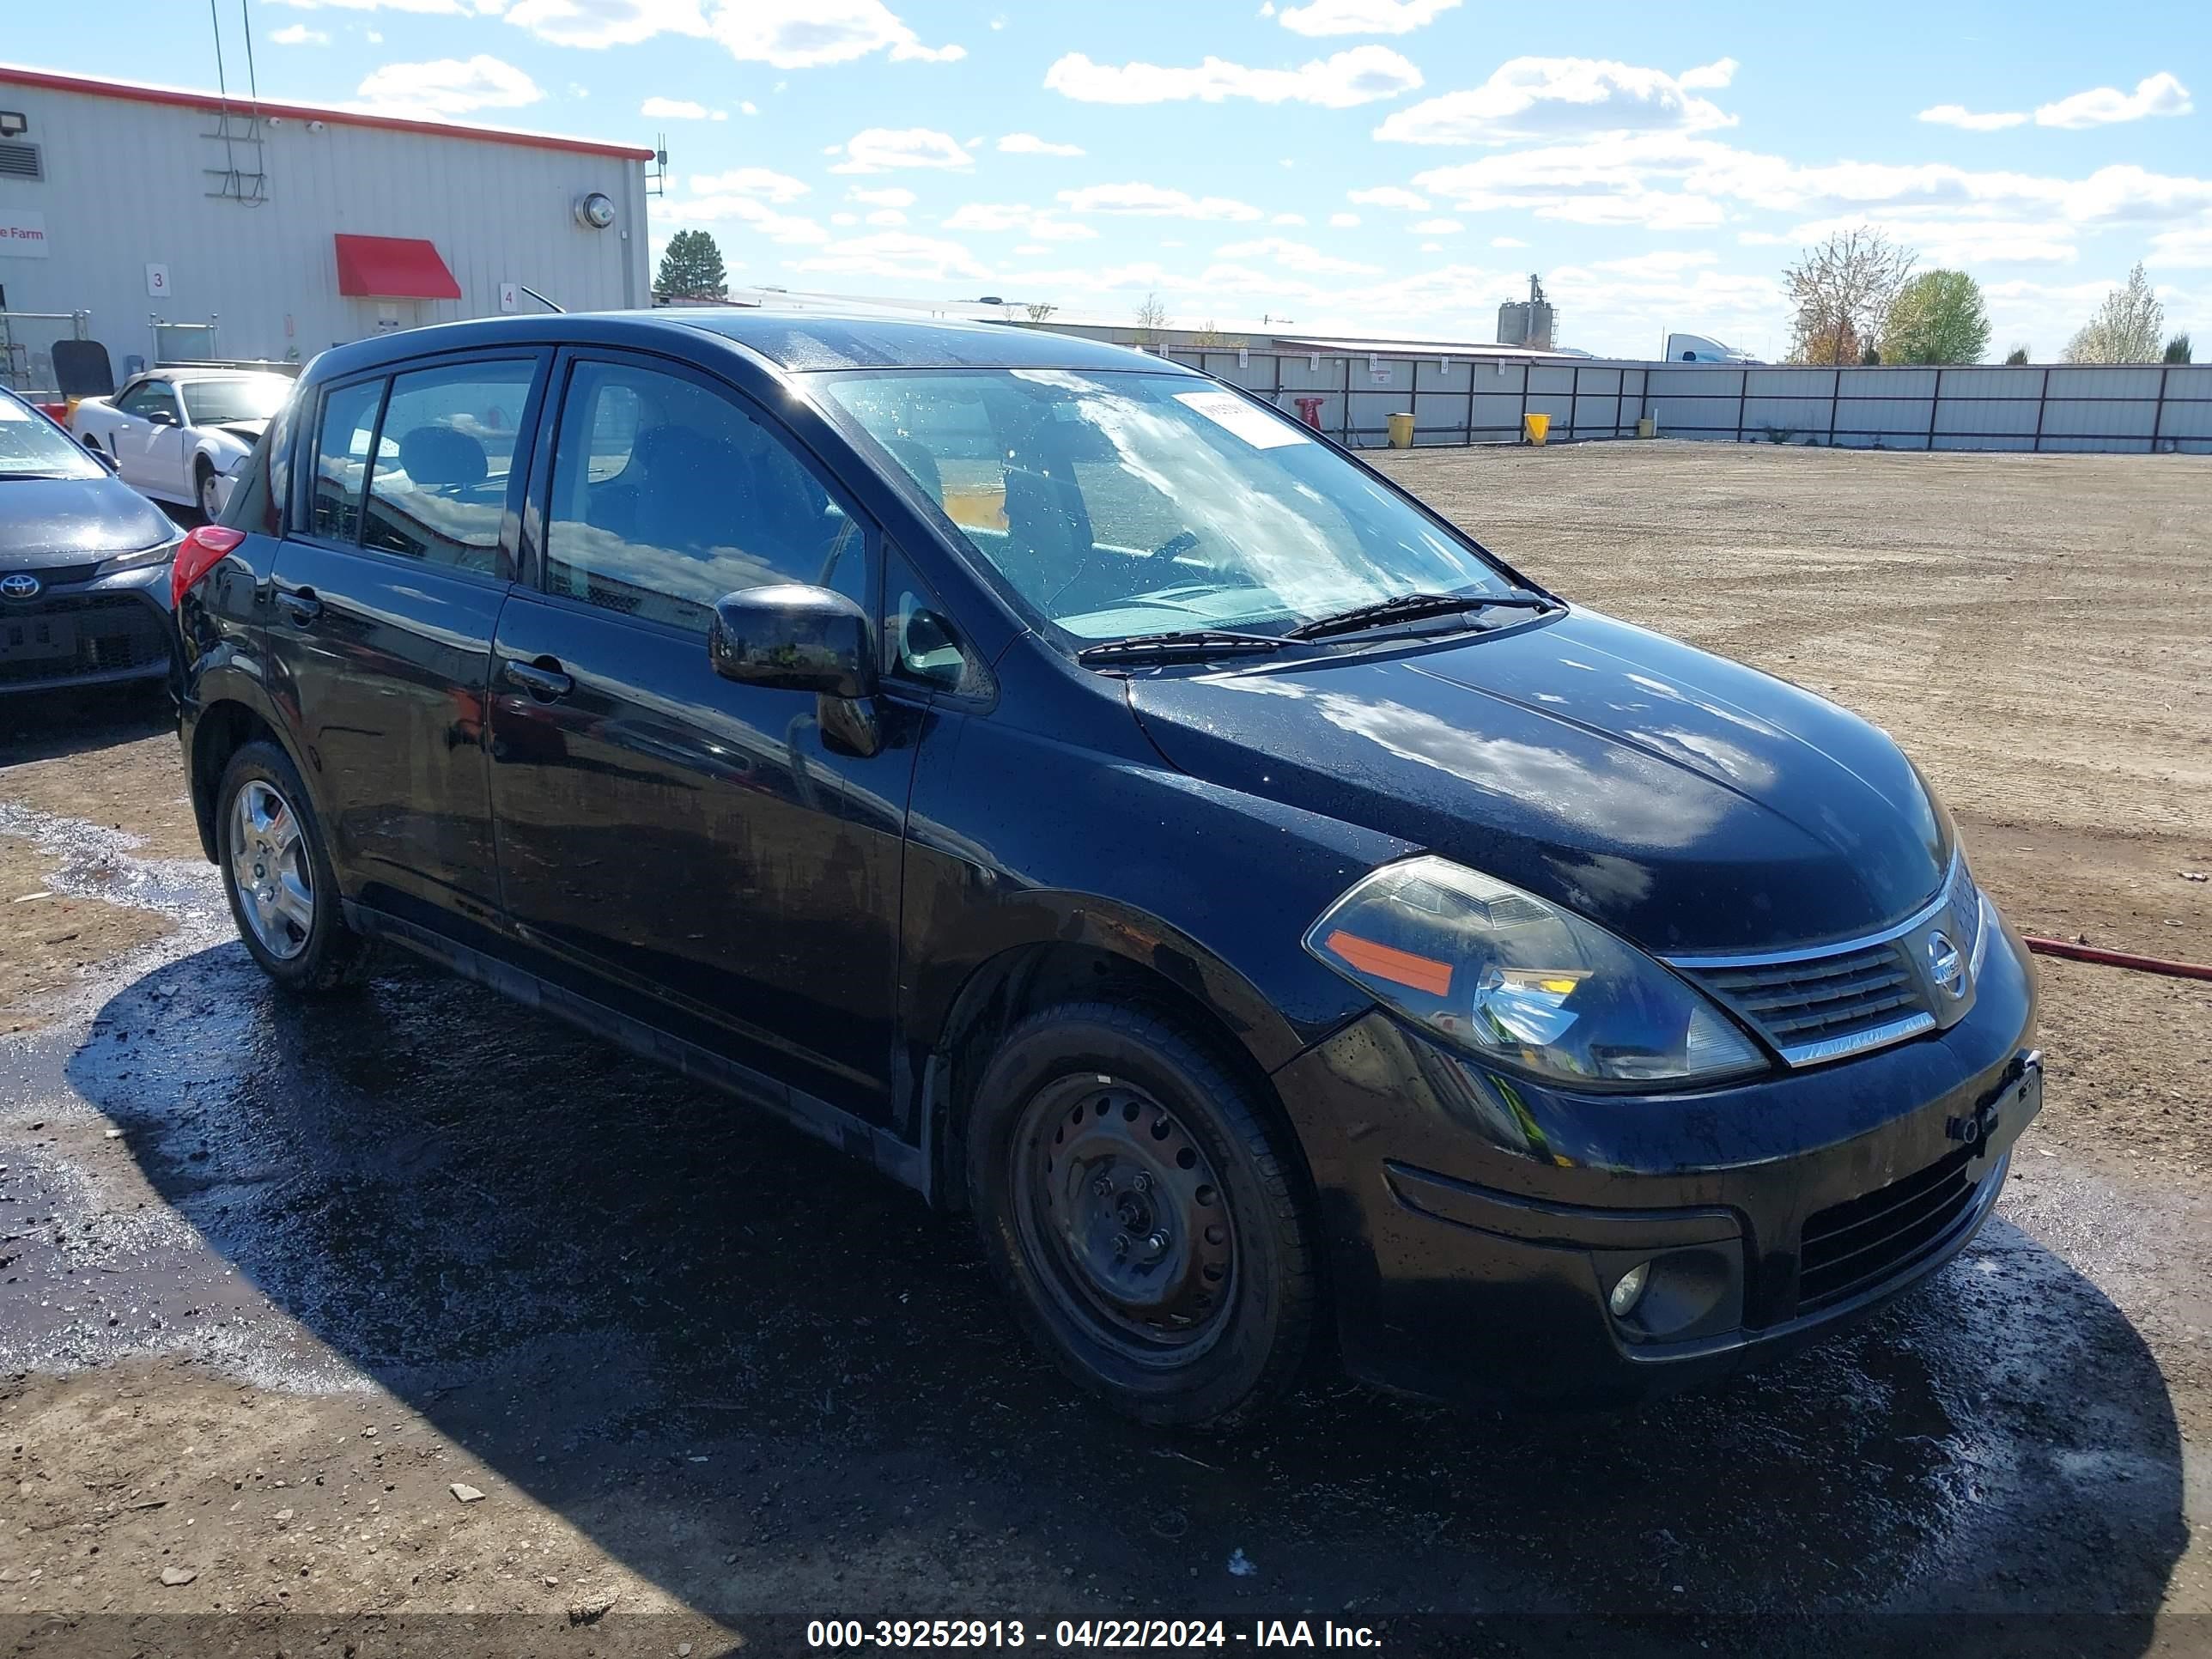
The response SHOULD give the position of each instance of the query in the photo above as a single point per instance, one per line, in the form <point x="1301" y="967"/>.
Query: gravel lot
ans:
<point x="274" y="1284"/>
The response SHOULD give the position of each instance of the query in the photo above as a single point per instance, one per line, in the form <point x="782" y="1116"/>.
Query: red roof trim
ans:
<point x="136" y="92"/>
<point x="392" y="268"/>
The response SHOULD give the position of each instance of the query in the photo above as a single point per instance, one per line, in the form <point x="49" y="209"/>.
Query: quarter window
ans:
<point x="146" y="397"/>
<point x="342" y="443"/>
<point x="667" y="494"/>
<point x="439" y="486"/>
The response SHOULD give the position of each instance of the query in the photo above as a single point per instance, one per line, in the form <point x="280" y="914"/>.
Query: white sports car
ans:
<point x="177" y="433"/>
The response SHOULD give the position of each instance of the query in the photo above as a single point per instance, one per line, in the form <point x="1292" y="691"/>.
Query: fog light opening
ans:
<point x="1628" y="1289"/>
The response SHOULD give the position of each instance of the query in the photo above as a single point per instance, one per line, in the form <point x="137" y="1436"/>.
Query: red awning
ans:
<point x="393" y="268"/>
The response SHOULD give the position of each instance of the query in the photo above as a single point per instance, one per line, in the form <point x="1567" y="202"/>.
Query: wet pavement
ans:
<point x="760" y="1378"/>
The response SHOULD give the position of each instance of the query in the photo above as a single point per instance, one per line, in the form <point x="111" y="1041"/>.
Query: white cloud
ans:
<point x="845" y="219"/>
<point x="1295" y="256"/>
<point x="1437" y="227"/>
<point x="1432" y="247"/>
<point x="2189" y="247"/>
<point x="809" y="33"/>
<point x="897" y="256"/>
<point x="446" y="85"/>
<point x="298" y="35"/>
<point x="597" y="23"/>
<point x="1363" y="16"/>
<point x="1389" y="195"/>
<point x="1707" y="77"/>
<point x="891" y="197"/>
<point x="1028" y="143"/>
<point x="1156" y="200"/>
<point x="887" y="216"/>
<point x="762" y="183"/>
<point x="675" y="109"/>
<point x="1017" y="218"/>
<point x="1286" y="219"/>
<point x="793" y="230"/>
<point x="878" y="148"/>
<point x="436" y="8"/>
<point x="1343" y="221"/>
<point x="1507" y="241"/>
<point x="1358" y="77"/>
<point x="2154" y="95"/>
<point x="787" y="33"/>
<point x="749" y="107"/>
<point x="1664" y="262"/>
<point x="1540" y="98"/>
<point x="1958" y="115"/>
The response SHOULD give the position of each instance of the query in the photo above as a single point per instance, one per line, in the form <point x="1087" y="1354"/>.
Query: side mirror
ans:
<point x="160" y="417"/>
<point x="794" y="638"/>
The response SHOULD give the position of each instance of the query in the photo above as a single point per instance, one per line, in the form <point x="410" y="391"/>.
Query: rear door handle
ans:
<point x="302" y="606"/>
<point x="543" y="680"/>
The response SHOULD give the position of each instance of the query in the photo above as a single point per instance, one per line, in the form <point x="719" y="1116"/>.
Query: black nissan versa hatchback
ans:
<point x="1112" y="811"/>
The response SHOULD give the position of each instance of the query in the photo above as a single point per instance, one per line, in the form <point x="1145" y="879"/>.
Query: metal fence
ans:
<point x="2154" y="407"/>
<point x="26" y="348"/>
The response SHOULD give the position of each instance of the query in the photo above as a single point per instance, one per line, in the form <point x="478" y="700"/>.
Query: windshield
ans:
<point x="1124" y="502"/>
<point x="31" y="444"/>
<point x="211" y="403"/>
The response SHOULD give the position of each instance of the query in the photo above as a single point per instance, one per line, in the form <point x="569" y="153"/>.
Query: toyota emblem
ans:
<point x="19" y="586"/>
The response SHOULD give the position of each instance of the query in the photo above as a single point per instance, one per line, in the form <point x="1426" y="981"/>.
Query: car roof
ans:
<point x="795" y="341"/>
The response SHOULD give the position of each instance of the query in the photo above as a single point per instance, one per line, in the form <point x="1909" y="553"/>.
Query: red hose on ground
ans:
<point x="2064" y="947"/>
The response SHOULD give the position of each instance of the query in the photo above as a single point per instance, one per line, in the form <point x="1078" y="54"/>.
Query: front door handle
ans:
<point x="543" y="680"/>
<point x="302" y="606"/>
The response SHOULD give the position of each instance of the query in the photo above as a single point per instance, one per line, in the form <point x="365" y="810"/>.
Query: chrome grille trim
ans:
<point x="1920" y="918"/>
<point x="1857" y="1042"/>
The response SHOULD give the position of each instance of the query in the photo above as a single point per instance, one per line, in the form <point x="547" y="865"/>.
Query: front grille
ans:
<point x="114" y="632"/>
<point x="1854" y="1245"/>
<point x="52" y="576"/>
<point x="1806" y="1007"/>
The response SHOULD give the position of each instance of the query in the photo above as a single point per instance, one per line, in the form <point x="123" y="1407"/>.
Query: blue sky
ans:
<point x="1394" y="165"/>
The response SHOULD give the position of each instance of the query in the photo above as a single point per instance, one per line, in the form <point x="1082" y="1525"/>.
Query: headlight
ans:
<point x="1511" y="978"/>
<point x="160" y="553"/>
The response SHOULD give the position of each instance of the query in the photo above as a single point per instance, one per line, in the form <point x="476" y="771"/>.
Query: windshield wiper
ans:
<point x="1409" y="607"/>
<point x="1186" y="643"/>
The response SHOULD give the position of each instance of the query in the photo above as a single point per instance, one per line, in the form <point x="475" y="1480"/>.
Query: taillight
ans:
<point x="197" y="554"/>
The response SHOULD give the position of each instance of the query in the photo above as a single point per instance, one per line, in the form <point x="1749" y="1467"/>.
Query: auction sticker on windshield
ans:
<point x="1254" y="426"/>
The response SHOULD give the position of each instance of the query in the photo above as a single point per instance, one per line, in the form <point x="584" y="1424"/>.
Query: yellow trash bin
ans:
<point x="1401" y="431"/>
<point x="1538" y="427"/>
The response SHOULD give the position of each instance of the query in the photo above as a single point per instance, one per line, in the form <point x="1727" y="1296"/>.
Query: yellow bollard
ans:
<point x="1538" y="427"/>
<point x="1401" y="431"/>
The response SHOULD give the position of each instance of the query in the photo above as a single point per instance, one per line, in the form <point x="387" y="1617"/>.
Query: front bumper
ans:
<point x="99" y="630"/>
<point x="1477" y="1223"/>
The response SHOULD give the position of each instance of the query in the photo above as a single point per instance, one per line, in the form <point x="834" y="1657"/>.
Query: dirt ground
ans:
<point x="273" y="1286"/>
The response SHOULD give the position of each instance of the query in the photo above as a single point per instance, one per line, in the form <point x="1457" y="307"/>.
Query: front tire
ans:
<point x="211" y="506"/>
<point x="1149" y="1220"/>
<point x="277" y="876"/>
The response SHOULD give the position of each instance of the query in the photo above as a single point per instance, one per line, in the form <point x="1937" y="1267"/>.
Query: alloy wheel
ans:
<point x="269" y="867"/>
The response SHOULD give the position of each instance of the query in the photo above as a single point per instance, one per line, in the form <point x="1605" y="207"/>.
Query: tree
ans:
<point x="1937" y="318"/>
<point x="1840" y="292"/>
<point x="1871" y="356"/>
<point x="691" y="269"/>
<point x="2177" y="349"/>
<point x="1038" y="311"/>
<point x="2017" y="357"/>
<point x="2127" y="328"/>
<point x="1151" y="318"/>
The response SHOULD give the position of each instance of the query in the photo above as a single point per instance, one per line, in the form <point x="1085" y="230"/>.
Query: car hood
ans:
<point x="58" y="521"/>
<point x="1687" y="803"/>
<point x="247" y="432"/>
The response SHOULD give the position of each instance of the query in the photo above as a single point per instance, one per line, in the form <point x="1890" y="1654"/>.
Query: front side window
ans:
<point x="147" y="399"/>
<point x="666" y="496"/>
<point x="439" y="489"/>
<point x="1124" y="502"/>
<point x="341" y="440"/>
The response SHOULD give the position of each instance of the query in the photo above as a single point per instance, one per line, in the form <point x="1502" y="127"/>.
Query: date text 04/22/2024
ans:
<point x="1099" y="1634"/>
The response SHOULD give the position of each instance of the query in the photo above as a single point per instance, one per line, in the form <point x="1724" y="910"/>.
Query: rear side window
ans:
<point x="667" y="494"/>
<point x="439" y="486"/>
<point x="147" y="399"/>
<point x="341" y="440"/>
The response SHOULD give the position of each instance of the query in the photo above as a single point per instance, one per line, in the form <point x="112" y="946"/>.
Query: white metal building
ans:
<point x="250" y="227"/>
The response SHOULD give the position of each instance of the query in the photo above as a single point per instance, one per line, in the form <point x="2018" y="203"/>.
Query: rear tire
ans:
<point x="276" y="874"/>
<point x="1148" y="1219"/>
<point x="204" y="489"/>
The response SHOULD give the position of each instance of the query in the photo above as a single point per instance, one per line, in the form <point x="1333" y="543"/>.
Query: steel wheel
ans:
<point x="210" y="507"/>
<point x="270" y="869"/>
<point x="1125" y="1214"/>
